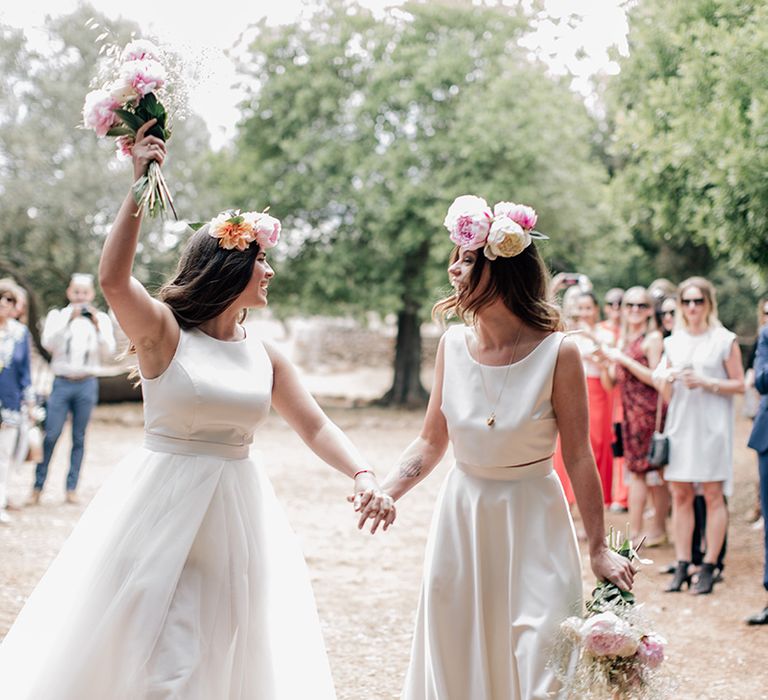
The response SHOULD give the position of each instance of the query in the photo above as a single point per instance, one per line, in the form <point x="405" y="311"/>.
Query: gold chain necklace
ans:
<point x="491" y="420"/>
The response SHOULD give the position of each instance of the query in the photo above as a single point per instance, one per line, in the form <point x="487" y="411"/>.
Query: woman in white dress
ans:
<point x="502" y="565"/>
<point x="183" y="579"/>
<point x="699" y="374"/>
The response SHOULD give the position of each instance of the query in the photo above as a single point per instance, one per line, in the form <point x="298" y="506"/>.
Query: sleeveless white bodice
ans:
<point x="210" y="398"/>
<point x="525" y="430"/>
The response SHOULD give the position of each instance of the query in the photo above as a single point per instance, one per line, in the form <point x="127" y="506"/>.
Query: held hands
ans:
<point x="146" y="149"/>
<point x="608" y="565"/>
<point x="371" y="502"/>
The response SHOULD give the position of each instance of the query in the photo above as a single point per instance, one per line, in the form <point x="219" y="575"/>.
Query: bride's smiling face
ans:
<point x="460" y="271"/>
<point x="255" y="293"/>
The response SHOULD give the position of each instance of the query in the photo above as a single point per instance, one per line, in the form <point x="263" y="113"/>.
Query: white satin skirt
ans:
<point x="502" y="571"/>
<point x="182" y="580"/>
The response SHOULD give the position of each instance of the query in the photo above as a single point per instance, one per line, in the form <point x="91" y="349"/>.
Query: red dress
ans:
<point x="639" y="402"/>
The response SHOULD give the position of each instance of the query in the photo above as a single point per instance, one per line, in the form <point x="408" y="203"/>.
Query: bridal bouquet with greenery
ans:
<point x="129" y="94"/>
<point x="612" y="652"/>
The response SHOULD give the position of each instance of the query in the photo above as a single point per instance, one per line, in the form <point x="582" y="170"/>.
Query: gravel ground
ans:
<point x="367" y="587"/>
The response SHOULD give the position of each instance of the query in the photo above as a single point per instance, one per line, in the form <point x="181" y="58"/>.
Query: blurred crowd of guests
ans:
<point x="77" y="338"/>
<point x="660" y="361"/>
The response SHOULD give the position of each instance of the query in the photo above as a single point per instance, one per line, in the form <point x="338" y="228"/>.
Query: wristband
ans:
<point x="363" y="471"/>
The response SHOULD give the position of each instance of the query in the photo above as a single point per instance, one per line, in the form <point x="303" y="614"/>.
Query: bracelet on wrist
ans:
<point x="363" y="471"/>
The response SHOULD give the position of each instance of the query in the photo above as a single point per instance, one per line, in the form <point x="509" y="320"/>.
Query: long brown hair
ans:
<point x="521" y="282"/>
<point x="207" y="280"/>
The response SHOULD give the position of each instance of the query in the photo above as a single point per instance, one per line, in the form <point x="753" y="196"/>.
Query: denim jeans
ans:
<point x="79" y="398"/>
<point x="762" y="464"/>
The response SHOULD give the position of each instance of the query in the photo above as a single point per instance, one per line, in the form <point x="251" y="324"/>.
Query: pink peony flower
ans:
<point x="124" y="147"/>
<point x="607" y="634"/>
<point x="140" y="49"/>
<point x="144" y="75"/>
<point x="651" y="650"/>
<point x="519" y="213"/>
<point x="469" y="220"/>
<point x="98" y="112"/>
<point x="267" y="230"/>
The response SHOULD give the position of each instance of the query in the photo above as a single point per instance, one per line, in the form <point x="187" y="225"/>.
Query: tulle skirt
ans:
<point x="502" y="571"/>
<point x="182" y="580"/>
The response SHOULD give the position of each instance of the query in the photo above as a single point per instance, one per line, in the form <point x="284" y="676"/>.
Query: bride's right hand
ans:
<point x="147" y="149"/>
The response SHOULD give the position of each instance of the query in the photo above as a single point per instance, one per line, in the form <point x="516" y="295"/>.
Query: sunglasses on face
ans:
<point x="613" y="304"/>
<point x="8" y="298"/>
<point x="637" y="305"/>
<point x="765" y="311"/>
<point x="696" y="301"/>
<point x="670" y="312"/>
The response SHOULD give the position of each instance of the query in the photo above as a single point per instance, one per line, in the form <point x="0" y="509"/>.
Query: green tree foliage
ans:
<point x="690" y="140"/>
<point x="60" y="186"/>
<point x="359" y="132"/>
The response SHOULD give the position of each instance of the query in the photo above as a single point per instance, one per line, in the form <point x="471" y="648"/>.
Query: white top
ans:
<point x="699" y="422"/>
<point x="525" y="430"/>
<point x="76" y="344"/>
<point x="210" y="398"/>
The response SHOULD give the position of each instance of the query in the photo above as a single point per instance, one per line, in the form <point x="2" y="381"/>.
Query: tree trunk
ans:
<point x="406" y="387"/>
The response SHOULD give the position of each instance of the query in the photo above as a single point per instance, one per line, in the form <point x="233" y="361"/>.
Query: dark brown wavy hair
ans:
<point x="207" y="280"/>
<point x="522" y="283"/>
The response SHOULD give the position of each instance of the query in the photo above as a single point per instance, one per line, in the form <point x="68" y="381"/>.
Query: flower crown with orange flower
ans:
<point x="237" y="230"/>
<point x="502" y="233"/>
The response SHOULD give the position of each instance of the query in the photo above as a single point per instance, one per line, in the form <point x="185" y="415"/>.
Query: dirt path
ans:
<point x="367" y="587"/>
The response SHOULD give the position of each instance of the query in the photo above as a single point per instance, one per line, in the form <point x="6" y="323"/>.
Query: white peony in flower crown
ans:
<point x="502" y="233"/>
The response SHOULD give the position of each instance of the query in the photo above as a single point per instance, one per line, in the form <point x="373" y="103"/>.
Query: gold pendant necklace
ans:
<point x="491" y="420"/>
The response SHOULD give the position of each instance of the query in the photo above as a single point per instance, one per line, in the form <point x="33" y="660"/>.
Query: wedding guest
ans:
<point x="699" y="374"/>
<point x="78" y="337"/>
<point x="506" y="381"/>
<point x="667" y="309"/>
<point x="589" y="342"/>
<point x="638" y="354"/>
<point x="15" y="384"/>
<point x="612" y="310"/>
<point x="758" y="441"/>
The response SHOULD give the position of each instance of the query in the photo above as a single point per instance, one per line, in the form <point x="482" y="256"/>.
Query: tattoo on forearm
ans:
<point x="411" y="467"/>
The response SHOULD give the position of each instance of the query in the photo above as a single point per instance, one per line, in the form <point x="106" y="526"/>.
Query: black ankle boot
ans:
<point x="681" y="577"/>
<point x="705" y="581"/>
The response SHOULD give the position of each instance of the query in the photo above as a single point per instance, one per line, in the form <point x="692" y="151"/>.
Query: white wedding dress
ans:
<point x="502" y="567"/>
<point x="183" y="579"/>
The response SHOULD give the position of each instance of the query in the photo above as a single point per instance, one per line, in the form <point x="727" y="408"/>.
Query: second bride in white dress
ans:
<point x="502" y="567"/>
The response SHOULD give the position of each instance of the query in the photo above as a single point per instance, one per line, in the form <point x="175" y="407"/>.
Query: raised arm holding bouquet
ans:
<point x="127" y="100"/>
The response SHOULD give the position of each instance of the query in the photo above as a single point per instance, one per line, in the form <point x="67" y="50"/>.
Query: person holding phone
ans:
<point x="77" y="336"/>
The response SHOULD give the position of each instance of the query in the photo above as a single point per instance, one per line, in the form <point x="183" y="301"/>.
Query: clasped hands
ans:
<point x="372" y="503"/>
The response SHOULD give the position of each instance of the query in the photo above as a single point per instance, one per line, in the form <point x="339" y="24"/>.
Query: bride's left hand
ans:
<point x="608" y="565"/>
<point x="372" y="503"/>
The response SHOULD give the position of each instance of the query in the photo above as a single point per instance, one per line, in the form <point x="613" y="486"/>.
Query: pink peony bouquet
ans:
<point x="127" y="99"/>
<point x="612" y="652"/>
<point x="504" y="232"/>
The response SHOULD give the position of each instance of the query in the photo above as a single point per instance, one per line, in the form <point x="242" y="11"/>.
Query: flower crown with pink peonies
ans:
<point x="238" y="230"/>
<point x="502" y="233"/>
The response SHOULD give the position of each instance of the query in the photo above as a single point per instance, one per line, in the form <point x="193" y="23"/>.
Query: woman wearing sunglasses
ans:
<point x="700" y="372"/>
<point x="15" y="383"/>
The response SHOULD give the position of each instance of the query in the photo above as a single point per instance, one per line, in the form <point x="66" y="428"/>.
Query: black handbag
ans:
<point x="658" y="450"/>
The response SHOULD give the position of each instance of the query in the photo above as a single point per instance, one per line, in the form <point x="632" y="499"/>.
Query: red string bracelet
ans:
<point x="363" y="471"/>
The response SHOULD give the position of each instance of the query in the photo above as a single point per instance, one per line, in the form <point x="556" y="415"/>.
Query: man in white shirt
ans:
<point x="77" y="337"/>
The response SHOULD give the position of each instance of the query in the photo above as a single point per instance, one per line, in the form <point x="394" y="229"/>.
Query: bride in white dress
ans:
<point x="183" y="579"/>
<point x="502" y="565"/>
